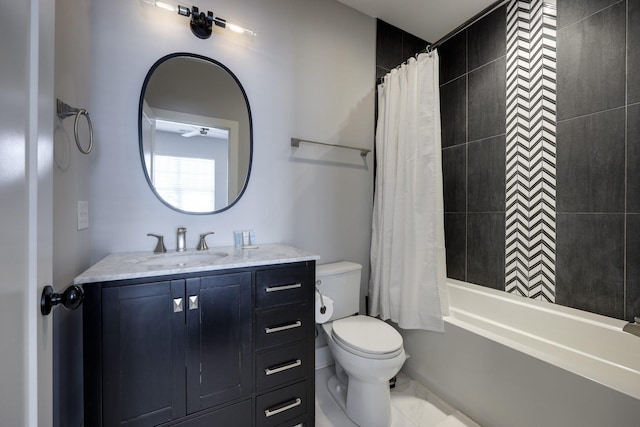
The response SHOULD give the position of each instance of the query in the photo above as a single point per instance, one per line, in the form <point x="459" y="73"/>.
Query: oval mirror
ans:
<point x="195" y="132"/>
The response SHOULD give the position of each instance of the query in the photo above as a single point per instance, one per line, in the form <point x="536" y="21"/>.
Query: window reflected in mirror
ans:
<point x="195" y="140"/>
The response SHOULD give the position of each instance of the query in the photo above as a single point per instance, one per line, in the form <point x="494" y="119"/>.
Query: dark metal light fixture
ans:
<point x="201" y="24"/>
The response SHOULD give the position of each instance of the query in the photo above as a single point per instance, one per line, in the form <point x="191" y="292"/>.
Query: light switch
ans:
<point x="83" y="214"/>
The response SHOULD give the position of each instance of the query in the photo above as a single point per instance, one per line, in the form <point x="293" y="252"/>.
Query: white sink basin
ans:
<point x="179" y="259"/>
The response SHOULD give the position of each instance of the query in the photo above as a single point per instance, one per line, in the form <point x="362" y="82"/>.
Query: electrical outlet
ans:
<point x="83" y="215"/>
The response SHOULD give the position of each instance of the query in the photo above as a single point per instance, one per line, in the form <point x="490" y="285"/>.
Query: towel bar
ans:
<point x="295" y="142"/>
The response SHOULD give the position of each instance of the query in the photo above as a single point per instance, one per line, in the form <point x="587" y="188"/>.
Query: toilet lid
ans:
<point x="367" y="334"/>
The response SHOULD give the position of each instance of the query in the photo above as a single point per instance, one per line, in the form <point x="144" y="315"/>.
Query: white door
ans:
<point x="26" y="142"/>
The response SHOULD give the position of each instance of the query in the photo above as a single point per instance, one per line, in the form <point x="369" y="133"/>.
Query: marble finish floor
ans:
<point x="412" y="405"/>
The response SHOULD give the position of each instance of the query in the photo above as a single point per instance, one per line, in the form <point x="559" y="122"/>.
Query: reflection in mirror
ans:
<point x="195" y="134"/>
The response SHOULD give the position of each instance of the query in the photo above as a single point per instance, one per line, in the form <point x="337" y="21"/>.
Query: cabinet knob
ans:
<point x="193" y="302"/>
<point x="177" y="305"/>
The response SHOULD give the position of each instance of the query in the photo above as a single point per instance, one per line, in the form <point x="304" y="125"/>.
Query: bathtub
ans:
<point x="509" y="361"/>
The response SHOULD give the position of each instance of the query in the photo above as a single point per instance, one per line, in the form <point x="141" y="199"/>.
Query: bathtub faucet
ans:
<point x="633" y="328"/>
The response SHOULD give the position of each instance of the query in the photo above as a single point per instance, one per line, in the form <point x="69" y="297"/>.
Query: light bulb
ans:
<point x="239" y="29"/>
<point x="166" y="6"/>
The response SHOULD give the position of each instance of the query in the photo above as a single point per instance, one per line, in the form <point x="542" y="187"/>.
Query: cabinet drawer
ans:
<point x="282" y="405"/>
<point x="238" y="414"/>
<point x="281" y="286"/>
<point x="281" y="326"/>
<point x="281" y="365"/>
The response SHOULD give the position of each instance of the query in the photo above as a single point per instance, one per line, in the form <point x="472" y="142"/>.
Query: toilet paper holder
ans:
<point x="323" y="308"/>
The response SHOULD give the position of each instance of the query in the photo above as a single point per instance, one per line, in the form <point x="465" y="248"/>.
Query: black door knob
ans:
<point x="71" y="298"/>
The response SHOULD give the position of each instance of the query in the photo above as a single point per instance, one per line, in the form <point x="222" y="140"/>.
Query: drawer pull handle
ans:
<point x="283" y="288"/>
<point x="293" y="325"/>
<point x="271" y="412"/>
<point x="294" y="364"/>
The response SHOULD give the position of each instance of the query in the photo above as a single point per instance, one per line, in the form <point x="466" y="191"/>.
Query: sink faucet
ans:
<point x="160" y="249"/>
<point x="182" y="239"/>
<point x="202" y="246"/>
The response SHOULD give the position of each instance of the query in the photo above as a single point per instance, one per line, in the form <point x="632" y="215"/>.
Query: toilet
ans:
<point x="367" y="351"/>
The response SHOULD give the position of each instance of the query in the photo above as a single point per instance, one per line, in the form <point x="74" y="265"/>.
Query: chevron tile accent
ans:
<point x="531" y="150"/>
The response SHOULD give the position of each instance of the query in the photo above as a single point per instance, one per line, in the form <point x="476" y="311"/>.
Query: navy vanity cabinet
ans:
<point x="183" y="350"/>
<point x="285" y="346"/>
<point x="143" y="374"/>
<point x="219" y="347"/>
<point x="167" y="349"/>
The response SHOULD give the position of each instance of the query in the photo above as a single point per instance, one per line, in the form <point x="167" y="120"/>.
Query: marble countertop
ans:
<point x="132" y="265"/>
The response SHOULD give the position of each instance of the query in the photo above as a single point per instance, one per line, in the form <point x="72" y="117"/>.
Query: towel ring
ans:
<point x="65" y="110"/>
<point x="85" y="113"/>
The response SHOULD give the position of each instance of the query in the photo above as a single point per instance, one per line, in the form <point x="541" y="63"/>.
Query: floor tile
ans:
<point x="412" y="405"/>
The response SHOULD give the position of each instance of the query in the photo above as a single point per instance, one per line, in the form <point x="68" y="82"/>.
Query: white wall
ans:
<point x="309" y="73"/>
<point x="70" y="184"/>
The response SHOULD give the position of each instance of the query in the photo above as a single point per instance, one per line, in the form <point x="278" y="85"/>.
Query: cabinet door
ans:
<point x="218" y="339"/>
<point x="143" y="366"/>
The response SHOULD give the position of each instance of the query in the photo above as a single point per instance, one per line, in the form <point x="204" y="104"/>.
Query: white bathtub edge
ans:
<point x="482" y="312"/>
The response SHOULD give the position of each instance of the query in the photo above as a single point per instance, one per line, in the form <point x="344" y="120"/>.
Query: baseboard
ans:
<point x="323" y="357"/>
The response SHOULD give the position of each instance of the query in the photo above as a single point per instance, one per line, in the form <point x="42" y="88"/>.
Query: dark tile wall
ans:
<point x="591" y="62"/>
<point x="394" y="46"/>
<point x="473" y="111"/>
<point x="598" y="151"/>
<point x="598" y="154"/>
<point x="598" y="164"/>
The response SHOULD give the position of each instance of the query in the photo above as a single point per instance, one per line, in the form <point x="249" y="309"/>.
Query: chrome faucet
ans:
<point x="160" y="249"/>
<point x="202" y="246"/>
<point x="182" y="239"/>
<point x="633" y="328"/>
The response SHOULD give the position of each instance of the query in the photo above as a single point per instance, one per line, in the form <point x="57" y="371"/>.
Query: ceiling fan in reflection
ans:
<point x="197" y="132"/>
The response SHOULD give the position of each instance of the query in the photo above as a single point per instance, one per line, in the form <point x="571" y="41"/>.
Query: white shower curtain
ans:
<point x="407" y="250"/>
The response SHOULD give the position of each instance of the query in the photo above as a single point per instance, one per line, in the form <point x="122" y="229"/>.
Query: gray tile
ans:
<point x="590" y="262"/>
<point x="380" y="73"/>
<point x="455" y="232"/>
<point x="453" y="112"/>
<point x="591" y="64"/>
<point x="388" y="45"/>
<point x="486" y="175"/>
<point x="453" y="57"/>
<point x="487" y="101"/>
<point x="487" y="38"/>
<point x="572" y="11"/>
<point x="454" y="171"/>
<point x="633" y="158"/>
<point x="411" y="45"/>
<point x="632" y="303"/>
<point x="590" y="163"/>
<point x="633" y="52"/>
<point x="485" y="249"/>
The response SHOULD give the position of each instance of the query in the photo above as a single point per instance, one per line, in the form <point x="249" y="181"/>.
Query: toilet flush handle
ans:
<point x="323" y="308"/>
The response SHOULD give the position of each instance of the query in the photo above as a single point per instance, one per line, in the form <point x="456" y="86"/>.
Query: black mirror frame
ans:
<point x="140" y="142"/>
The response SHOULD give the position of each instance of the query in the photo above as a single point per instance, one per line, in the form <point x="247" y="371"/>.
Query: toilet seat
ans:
<point x="367" y="337"/>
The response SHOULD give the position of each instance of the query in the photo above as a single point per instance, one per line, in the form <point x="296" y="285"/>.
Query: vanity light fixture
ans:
<point x="201" y="23"/>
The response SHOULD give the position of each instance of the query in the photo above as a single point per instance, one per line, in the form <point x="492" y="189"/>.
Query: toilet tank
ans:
<point x="340" y="281"/>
